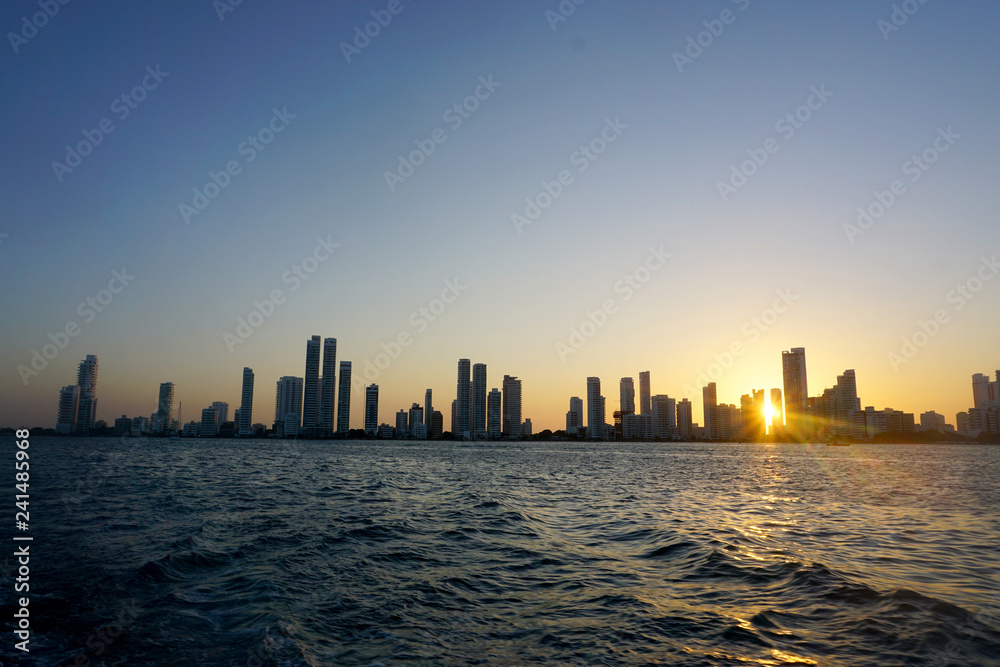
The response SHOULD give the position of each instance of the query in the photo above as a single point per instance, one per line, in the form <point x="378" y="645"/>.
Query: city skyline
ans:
<point x="590" y="202"/>
<point x="777" y="414"/>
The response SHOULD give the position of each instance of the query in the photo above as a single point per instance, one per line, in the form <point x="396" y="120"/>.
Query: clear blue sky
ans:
<point x="656" y="185"/>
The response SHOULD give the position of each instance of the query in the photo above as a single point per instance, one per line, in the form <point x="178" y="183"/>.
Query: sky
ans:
<point x="672" y="181"/>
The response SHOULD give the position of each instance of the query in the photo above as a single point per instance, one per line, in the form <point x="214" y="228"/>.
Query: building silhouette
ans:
<point x="245" y="425"/>
<point x="511" y="406"/>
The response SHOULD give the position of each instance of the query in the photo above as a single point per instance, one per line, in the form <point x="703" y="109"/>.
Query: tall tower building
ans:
<point x="87" y="406"/>
<point x="710" y="407"/>
<point x="328" y="385"/>
<point x="344" y="399"/>
<point x="595" y="409"/>
<point x="428" y="410"/>
<point x="494" y="410"/>
<point x="981" y="391"/>
<point x="371" y="409"/>
<point x="684" y="419"/>
<point x="288" y="403"/>
<point x="645" y="401"/>
<point x="165" y="406"/>
<point x="463" y="420"/>
<point x="511" y="406"/>
<point x="310" y="386"/>
<point x="479" y="427"/>
<point x="793" y="367"/>
<point x="69" y="401"/>
<point x="574" y="418"/>
<point x="454" y="417"/>
<point x="627" y="396"/>
<point x="664" y="416"/>
<point x="246" y="405"/>
<point x="847" y="400"/>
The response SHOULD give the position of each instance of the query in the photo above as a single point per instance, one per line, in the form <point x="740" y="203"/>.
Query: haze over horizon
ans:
<point x="802" y="112"/>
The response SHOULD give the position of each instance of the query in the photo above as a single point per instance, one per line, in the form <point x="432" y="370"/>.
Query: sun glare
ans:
<point x="768" y="414"/>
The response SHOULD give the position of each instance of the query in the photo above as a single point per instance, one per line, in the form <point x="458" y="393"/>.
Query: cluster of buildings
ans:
<point x="787" y="413"/>
<point x="318" y="405"/>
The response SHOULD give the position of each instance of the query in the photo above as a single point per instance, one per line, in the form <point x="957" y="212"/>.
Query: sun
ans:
<point x="768" y="414"/>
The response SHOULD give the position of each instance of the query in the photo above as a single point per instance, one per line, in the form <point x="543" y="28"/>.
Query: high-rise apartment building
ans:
<point x="793" y="368"/>
<point x="645" y="401"/>
<point x="328" y="386"/>
<point x="709" y="407"/>
<point x="664" y="416"/>
<point x="344" y="399"/>
<point x="574" y="418"/>
<point x="595" y="409"/>
<point x="222" y="410"/>
<point x="69" y="400"/>
<point x="494" y="412"/>
<point x="310" y="387"/>
<point x="463" y="420"/>
<point x="86" y="413"/>
<point x="511" y="406"/>
<point x="684" y="419"/>
<point x="479" y="426"/>
<point x="288" y="403"/>
<point x="165" y="407"/>
<point x="246" y="405"/>
<point x="428" y="409"/>
<point x="371" y="409"/>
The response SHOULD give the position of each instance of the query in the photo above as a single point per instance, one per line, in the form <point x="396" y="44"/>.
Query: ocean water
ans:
<point x="213" y="552"/>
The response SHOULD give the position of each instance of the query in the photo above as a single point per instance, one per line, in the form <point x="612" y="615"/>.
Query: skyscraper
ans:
<point x="288" y="403"/>
<point x="494" y="409"/>
<point x="415" y="422"/>
<point x="246" y="405"/>
<point x="69" y="400"/>
<point x="310" y="386"/>
<point x="595" y="409"/>
<point x="209" y="427"/>
<point x="344" y="399"/>
<point x="626" y="403"/>
<point x="574" y="418"/>
<point x="479" y="401"/>
<point x="645" y="401"/>
<point x="710" y="405"/>
<point x="793" y="367"/>
<point x="165" y="407"/>
<point x="847" y="400"/>
<point x="463" y="420"/>
<point x="428" y="409"/>
<point x="371" y="409"/>
<point x="511" y="406"/>
<point x="328" y="388"/>
<point x="664" y="416"/>
<point x="87" y="405"/>
<point x="684" y="422"/>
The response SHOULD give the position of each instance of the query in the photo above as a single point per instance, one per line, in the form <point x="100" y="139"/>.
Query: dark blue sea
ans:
<point x="225" y="552"/>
